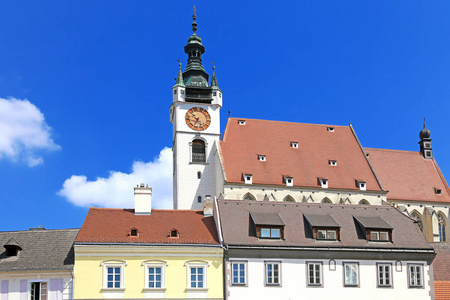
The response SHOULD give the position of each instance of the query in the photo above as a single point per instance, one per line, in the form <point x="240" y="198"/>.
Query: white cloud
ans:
<point x="117" y="189"/>
<point x="23" y="132"/>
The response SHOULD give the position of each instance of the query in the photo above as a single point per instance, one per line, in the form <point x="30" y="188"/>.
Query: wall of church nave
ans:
<point x="263" y="193"/>
<point x="431" y="218"/>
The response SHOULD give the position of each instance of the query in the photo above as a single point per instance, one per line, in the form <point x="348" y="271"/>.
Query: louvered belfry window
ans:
<point x="198" y="151"/>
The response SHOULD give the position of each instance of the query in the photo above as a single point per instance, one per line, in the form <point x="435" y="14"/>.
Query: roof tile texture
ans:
<point x="234" y="218"/>
<point x="408" y="175"/>
<point x="242" y="144"/>
<point x="41" y="250"/>
<point x="441" y="263"/>
<point x="108" y="225"/>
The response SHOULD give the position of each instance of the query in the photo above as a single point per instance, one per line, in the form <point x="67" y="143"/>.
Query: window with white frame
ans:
<point x="238" y="272"/>
<point x="113" y="275"/>
<point x="197" y="277"/>
<point x="247" y="178"/>
<point x="273" y="273"/>
<point x="384" y="275"/>
<point x="38" y="290"/>
<point x="155" y="274"/>
<point x="351" y="274"/>
<point x="314" y="273"/>
<point x="415" y="275"/>
<point x="196" y="273"/>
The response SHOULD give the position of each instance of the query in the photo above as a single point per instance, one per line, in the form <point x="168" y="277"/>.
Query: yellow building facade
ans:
<point x="178" y="267"/>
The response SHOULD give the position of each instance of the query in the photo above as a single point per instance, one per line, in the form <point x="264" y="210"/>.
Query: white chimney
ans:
<point x="142" y="200"/>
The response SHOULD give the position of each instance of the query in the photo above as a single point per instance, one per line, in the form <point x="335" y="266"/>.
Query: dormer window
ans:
<point x="289" y="180"/>
<point x="323" y="182"/>
<point x="332" y="162"/>
<point x="248" y="178"/>
<point x="134" y="232"/>
<point x="324" y="227"/>
<point x="330" y="129"/>
<point x="361" y="185"/>
<point x="261" y="157"/>
<point x="375" y="228"/>
<point x="173" y="233"/>
<point x="437" y="191"/>
<point x="294" y="145"/>
<point x="12" y="247"/>
<point x="241" y="122"/>
<point x="268" y="225"/>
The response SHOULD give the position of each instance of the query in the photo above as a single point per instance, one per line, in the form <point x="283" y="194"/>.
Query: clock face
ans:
<point x="198" y="118"/>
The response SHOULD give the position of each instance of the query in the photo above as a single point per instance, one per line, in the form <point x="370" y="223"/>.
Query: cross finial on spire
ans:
<point x="229" y="113"/>
<point x="194" y="24"/>
<point x="424" y="122"/>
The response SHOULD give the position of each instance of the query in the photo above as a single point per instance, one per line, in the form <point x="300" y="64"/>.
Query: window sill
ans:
<point x="351" y="285"/>
<point x="196" y="289"/>
<point x="113" y="289"/>
<point x="239" y="284"/>
<point x="154" y="289"/>
<point x="273" y="285"/>
<point x="315" y="285"/>
<point x="198" y="163"/>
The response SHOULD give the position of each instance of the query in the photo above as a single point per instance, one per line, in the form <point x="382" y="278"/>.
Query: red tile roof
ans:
<point x="442" y="290"/>
<point x="107" y="225"/>
<point x="408" y="175"/>
<point x="242" y="144"/>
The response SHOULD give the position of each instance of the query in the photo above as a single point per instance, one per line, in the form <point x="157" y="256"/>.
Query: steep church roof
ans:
<point x="317" y="146"/>
<point x="407" y="175"/>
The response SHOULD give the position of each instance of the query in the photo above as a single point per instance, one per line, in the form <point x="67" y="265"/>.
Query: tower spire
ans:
<point x="425" y="142"/>
<point x="194" y="23"/>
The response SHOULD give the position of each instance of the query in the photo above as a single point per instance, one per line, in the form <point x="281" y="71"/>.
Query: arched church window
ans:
<point x="326" y="200"/>
<point x="248" y="196"/>
<point x="198" y="151"/>
<point x="441" y="224"/>
<point x="288" y="198"/>
<point x="364" y="202"/>
<point x="418" y="219"/>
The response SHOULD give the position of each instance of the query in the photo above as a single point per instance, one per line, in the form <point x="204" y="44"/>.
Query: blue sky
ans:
<point x="85" y="87"/>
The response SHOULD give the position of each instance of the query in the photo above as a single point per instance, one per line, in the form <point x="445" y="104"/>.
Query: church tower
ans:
<point x="195" y="116"/>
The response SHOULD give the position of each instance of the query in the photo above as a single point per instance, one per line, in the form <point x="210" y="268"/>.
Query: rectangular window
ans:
<point x="323" y="234"/>
<point x="384" y="275"/>
<point x="113" y="279"/>
<point x="415" y="276"/>
<point x="273" y="273"/>
<point x="314" y="274"/>
<point x="38" y="291"/>
<point x="379" y="235"/>
<point x="155" y="277"/>
<point x="238" y="270"/>
<point x="197" y="277"/>
<point x="271" y="233"/>
<point x="351" y="274"/>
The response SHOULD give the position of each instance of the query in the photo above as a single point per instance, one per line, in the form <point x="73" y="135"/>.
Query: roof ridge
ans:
<point x="288" y="122"/>
<point x="392" y="150"/>
<point x="43" y="230"/>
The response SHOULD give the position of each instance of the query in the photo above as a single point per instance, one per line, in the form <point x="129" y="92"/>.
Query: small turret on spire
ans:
<point x="214" y="83"/>
<point x="179" y="80"/>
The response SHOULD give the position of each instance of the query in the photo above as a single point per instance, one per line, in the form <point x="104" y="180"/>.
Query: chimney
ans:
<point x="208" y="206"/>
<point x="142" y="200"/>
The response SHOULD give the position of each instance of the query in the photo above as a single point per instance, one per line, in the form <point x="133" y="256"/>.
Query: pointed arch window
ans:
<point x="326" y="200"/>
<point x="364" y="202"/>
<point x="248" y="196"/>
<point x="418" y="219"/>
<point x="441" y="224"/>
<point x="198" y="151"/>
<point x="288" y="198"/>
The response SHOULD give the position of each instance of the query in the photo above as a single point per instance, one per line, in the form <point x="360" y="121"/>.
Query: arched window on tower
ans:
<point x="441" y="224"/>
<point x="418" y="219"/>
<point x="198" y="151"/>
